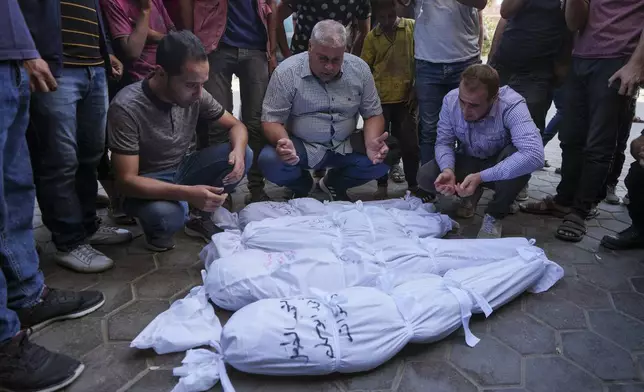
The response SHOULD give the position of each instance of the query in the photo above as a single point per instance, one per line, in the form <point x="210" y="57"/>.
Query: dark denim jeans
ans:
<point x="69" y="127"/>
<point x="21" y="282"/>
<point x="594" y="112"/>
<point x="161" y="219"/>
<point x="346" y="171"/>
<point x="251" y="67"/>
<point x="623" y="133"/>
<point x="433" y="82"/>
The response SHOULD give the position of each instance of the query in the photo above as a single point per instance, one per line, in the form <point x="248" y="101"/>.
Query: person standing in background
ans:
<point x="446" y="40"/>
<point x="25" y="301"/>
<point x="69" y="128"/>
<point x="607" y="68"/>
<point x="137" y="27"/>
<point x="531" y="43"/>
<point x="389" y="52"/>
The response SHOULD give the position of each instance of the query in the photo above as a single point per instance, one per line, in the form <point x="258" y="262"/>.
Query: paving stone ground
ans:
<point x="586" y="334"/>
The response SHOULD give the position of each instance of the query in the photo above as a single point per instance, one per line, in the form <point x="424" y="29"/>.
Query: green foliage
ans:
<point x="490" y="23"/>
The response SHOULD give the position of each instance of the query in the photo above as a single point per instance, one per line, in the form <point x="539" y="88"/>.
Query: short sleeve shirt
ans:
<point x="322" y="114"/>
<point x="310" y="12"/>
<point x="122" y="16"/>
<point x="161" y="134"/>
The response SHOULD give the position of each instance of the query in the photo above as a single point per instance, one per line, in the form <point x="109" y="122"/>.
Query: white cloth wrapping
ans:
<point x="359" y="328"/>
<point x="190" y="322"/>
<point x="250" y="275"/>
<point x="354" y="225"/>
<point x="303" y="207"/>
<point x="355" y="330"/>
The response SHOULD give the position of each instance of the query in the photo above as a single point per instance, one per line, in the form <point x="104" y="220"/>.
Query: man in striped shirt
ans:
<point x="499" y="146"/>
<point x="69" y="128"/>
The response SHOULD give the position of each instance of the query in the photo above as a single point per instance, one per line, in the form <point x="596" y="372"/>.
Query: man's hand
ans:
<point x="377" y="148"/>
<point x="445" y="183"/>
<point x="236" y="160"/>
<point x="206" y="198"/>
<point x="117" y="67"/>
<point x="637" y="149"/>
<point x="630" y="76"/>
<point x="286" y="151"/>
<point x="40" y="77"/>
<point x="469" y="185"/>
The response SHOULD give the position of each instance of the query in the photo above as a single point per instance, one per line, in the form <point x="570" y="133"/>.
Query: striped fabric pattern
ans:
<point x="509" y="122"/>
<point x="80" y="32"/>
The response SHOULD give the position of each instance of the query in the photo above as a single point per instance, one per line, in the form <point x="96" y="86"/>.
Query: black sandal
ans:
<point x="572" y="229"/>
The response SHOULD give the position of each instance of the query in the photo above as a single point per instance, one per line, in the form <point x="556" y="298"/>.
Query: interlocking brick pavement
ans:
<point x="586" y="334"/>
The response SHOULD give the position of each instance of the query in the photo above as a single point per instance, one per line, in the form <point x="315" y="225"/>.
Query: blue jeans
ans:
<point x="161" y="219"/>
<point x="347" y="171"/>
<point x="555" y="122"/>
<point x="433" y="82"/>
<point x="69" y="128"/>
<point x="21" y="282"/>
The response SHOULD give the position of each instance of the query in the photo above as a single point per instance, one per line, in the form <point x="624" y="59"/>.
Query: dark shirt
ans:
<point x="80" y="33"/>
<point x="15" y="39"/>
<point x="244" y="28"/>
<point x="309" y="12"/>
<point x="533" y="38"/>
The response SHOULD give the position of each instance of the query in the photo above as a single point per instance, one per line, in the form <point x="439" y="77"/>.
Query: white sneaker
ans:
<point x="491" y="228"/>
<point x="85" y="259"/>
<point x="110" y="235"/>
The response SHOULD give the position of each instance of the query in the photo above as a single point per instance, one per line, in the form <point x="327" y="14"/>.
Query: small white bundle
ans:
<point x="351" y="226"/>
<point x="304" y="207"/>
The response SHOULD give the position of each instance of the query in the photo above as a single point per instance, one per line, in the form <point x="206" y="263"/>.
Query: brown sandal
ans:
<point x="547" y="206"/>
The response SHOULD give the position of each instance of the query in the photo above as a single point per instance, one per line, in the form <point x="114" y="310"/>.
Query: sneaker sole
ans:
<point x="79" y="370"/>
<point x="69" y="316"/>
<point x="71" y="267"/>
<point x="195" y="234"/>
<point x="526" y="198"/>
<point x="612" y="202"/>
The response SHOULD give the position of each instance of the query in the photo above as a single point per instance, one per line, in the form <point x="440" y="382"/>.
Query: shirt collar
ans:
<point x="306" y="68"/>
<point x="161" y="105"/>
<point x="399" y="26"/>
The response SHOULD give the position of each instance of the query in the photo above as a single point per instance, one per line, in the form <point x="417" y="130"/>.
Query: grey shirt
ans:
<point x="323" y="115"/>
<point x="446" y="31"/>
<point x="161" y="134"/>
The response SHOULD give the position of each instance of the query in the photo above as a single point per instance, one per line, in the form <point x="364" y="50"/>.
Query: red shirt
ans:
<point x="122" y="16"/>
<point x="211" y="16"/>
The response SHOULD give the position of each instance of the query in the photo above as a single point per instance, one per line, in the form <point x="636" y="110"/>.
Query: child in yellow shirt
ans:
<point x="389" y="51"/>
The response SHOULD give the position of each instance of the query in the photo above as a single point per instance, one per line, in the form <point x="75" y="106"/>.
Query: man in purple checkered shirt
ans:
<point x="498" y="145"/>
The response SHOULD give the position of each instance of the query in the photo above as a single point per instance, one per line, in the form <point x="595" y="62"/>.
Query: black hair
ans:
<point x="178" y="47"/>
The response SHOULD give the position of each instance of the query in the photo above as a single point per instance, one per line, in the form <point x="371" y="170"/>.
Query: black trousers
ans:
<point x="591" y="132"/>
<point x="623" y="132"/>
<point x="635" y="184"/>
<point x="505" y="192"/>
<point x="403" y="141"/>
<point x="536" y="87"/>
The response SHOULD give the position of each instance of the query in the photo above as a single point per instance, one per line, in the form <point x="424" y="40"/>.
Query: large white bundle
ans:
<point x="242" y="278"/>
<point x="355" y="330"/>
<point x="356" y="225"/>
<point x="304" y="207"/>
